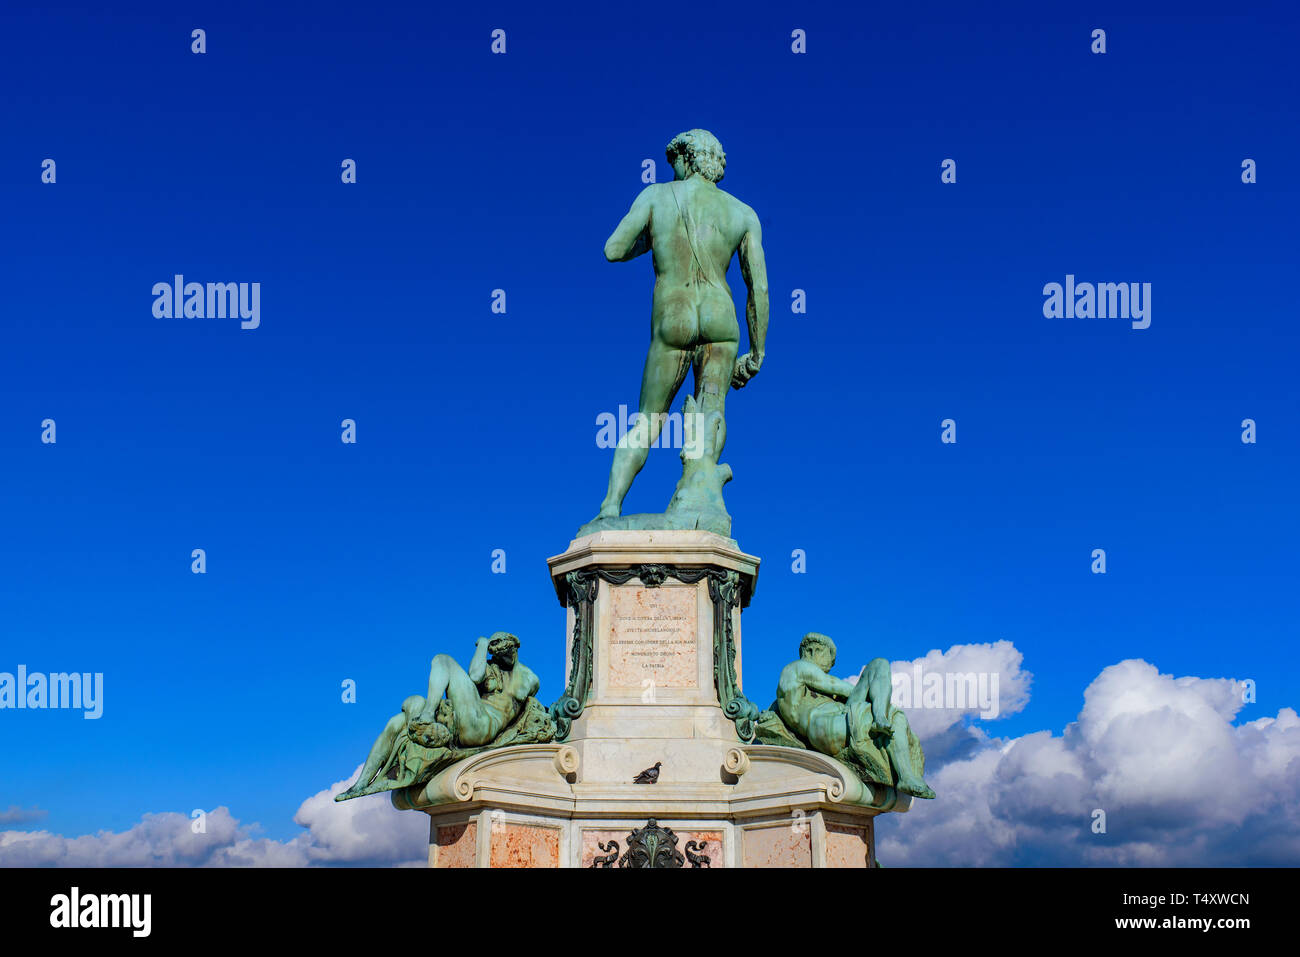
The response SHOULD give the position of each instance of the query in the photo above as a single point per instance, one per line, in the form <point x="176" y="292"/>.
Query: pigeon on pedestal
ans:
<point x="649" y="775"/>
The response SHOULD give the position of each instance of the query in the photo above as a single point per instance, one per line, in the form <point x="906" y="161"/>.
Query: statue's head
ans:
<point x="819" y="649"/>
<point x="504" y="648"/>
<point x="698" y="151"/>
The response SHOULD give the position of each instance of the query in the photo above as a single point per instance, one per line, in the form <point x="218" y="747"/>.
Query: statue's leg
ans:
<point x="665" y="370"/>
<point x="441" y="671"/>
<point x="869" y="701"/>
<point x="379" y="753"/>
<point x="715" y="359"/>
<point x="714" y="363"/>
<point x="880" y="687"/>
<point x="869" y="711"/>
<point x="900" y="754"/>
<point x="476" y="724"/>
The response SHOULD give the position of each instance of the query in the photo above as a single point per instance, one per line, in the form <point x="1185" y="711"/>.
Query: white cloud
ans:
<point x="950" y="732"/>
<point x="997" y="665"/>
<point x="364" y="831"/>
<point x="1179" y="783"/>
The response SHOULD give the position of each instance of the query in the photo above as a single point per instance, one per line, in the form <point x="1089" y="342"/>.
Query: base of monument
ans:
<point x="685" y="520"/>
<point x="535" y="806"/>
<point x="653" y="645"/>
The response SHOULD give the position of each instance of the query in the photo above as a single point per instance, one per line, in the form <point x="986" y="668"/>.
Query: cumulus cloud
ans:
<point x="1178" y="780"/>
<point x="944" y="688"/>
<point x="364" y="831"/>
<point x="945" y="692"/>
<point x="1159" y="756"/>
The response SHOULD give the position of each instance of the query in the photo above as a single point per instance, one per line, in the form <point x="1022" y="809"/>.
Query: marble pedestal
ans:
<point x="654" y="663"/>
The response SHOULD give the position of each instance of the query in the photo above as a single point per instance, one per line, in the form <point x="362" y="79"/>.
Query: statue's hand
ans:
<point x="747" y="367"/>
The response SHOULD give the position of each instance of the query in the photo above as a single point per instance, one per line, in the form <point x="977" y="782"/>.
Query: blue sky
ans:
<point x="477" y="431"/>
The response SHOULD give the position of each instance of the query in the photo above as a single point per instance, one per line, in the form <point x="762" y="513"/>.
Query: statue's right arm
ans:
<point x="753" y="268"/>
<point x="478" y="664"/>
<point x="632" y="236"/>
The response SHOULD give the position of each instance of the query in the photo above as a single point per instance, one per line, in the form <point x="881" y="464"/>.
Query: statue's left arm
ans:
<point x="827" y="684"/>
<point x="632" y="236"/>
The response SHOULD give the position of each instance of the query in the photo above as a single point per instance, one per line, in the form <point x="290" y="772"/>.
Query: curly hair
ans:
<point x="701" y="151"/>
<point x="499" y="641"/>
<point x="816" y="639"/>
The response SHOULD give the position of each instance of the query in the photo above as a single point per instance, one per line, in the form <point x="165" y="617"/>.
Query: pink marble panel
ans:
<point x="847" y="845"/>
<point x="456" y="844"/>
<point x="785" y="845"/>
<point x="525" y="845"/>
<point x="652" y="635"/>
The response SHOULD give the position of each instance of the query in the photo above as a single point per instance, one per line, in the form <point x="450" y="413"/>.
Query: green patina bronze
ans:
<point x="725" y="591"/>
<point x="581" y="598"/>
<point x="652" y="847"/>
<point x="489" y="706"/>
<point x="853" y="723"/>
<point x="693" y="228"/>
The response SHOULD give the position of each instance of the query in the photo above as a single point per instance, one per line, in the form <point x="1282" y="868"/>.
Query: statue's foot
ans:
<point x="606" y="512"/>
<point x="429" y="734"/>
<point x="915" y="787"/>
<point x="355" y="791"/>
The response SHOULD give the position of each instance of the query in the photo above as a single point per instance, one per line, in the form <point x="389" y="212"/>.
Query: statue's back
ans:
<point x="695" y="220"/>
